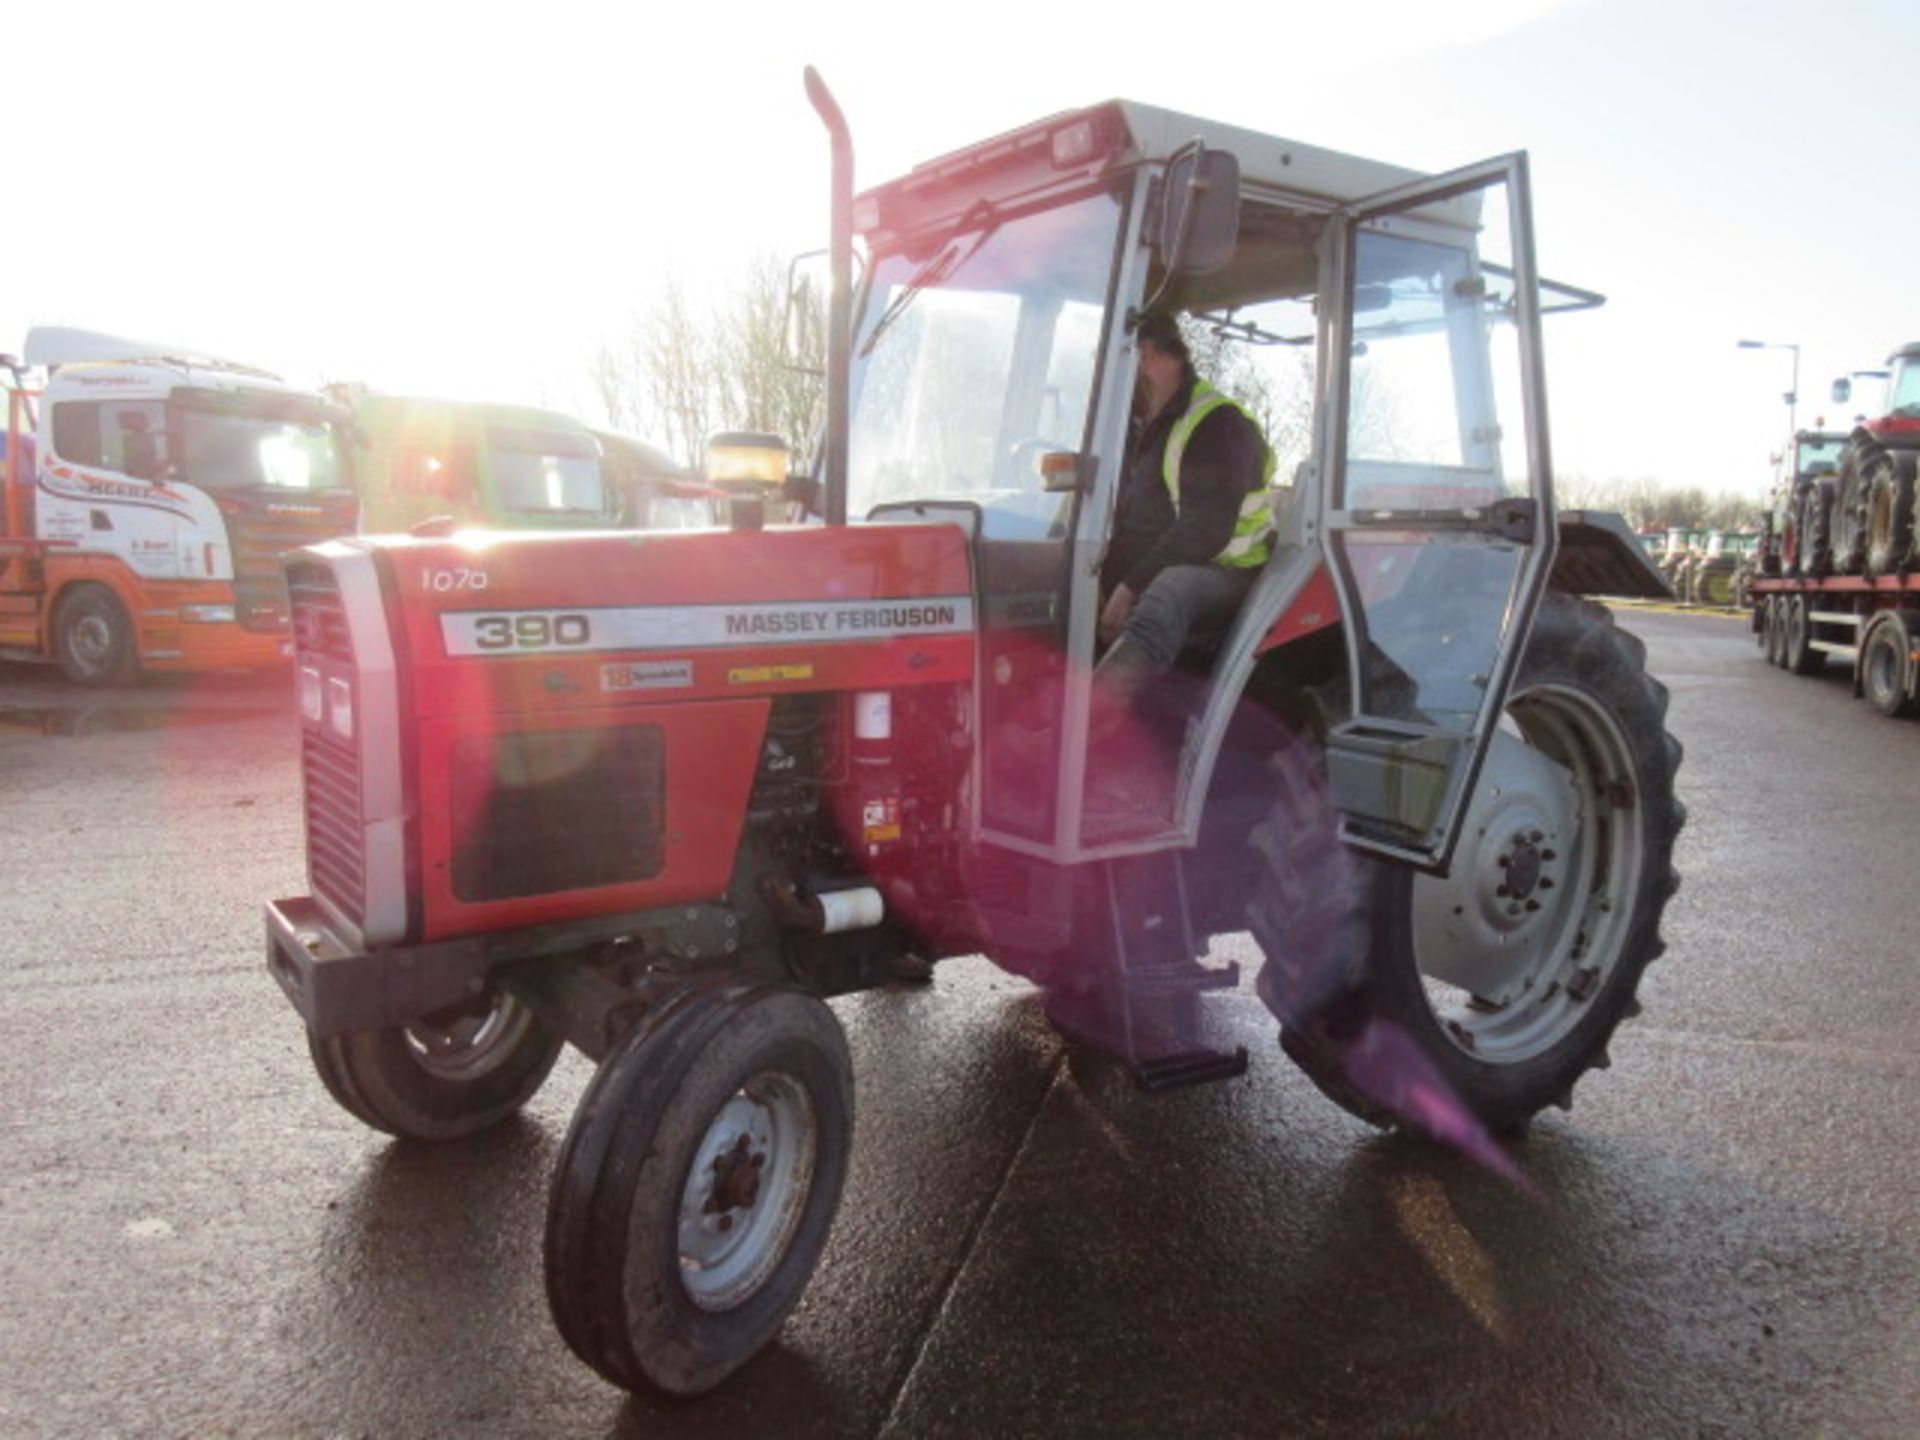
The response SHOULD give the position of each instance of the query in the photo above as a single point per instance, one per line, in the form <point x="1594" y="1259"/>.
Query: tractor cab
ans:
<point x="1383" y="330"/>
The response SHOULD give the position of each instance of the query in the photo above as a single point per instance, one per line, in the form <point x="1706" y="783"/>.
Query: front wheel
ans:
<point x="697" y="1186"/>
<point x="1508" y="975"/>
<point x="93" y="639"/>
<point x="445" y="1075"/>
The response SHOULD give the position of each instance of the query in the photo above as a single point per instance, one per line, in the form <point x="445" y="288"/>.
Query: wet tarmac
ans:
<point x="194" y="1240"/>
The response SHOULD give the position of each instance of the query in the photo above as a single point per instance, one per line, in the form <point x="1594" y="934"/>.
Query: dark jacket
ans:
<point x="1224" y="462"/>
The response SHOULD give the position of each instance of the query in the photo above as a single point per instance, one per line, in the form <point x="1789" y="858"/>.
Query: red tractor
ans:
<point x="660" y="795"/>
<point x="1869" y="522"/>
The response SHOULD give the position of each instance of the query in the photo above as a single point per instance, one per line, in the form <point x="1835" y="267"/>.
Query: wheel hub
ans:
<point x="1482" y="925"/>
<point x="745" y="1190"/>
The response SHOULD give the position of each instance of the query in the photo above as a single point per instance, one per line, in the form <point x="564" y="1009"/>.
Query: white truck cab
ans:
<point x="146" y="514"/>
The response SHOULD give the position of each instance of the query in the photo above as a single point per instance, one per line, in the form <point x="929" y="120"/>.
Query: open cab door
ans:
<point x="1437" y="517"/>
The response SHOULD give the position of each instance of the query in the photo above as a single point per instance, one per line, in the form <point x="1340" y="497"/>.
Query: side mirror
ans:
<point x="1199" y="211"/>
<point x="1842" y="390"/>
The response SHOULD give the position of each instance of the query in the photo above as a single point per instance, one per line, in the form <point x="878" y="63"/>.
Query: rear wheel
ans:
<point x="1890" y="514"/>
<point x="1775" y="627"/>
<point x="443" y="1076"/>
<point x="93" y="639"/>
<point x="1813" y="529"/>
<point x="1796" y="642"/>
<point x="1509" y="974"/>
<point x="1851" y="495"/>
<point x="1885" y="667"/>
<point x="697" y="1186"/>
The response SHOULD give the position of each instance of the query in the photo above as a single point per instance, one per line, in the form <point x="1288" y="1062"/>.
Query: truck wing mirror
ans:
<point x="1200" y="211"/>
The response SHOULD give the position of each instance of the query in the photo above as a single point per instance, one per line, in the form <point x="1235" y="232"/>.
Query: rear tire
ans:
<point x="1890" y="514"/>
<point x="1885" y="668"/>
<point x="1511" y="1005"/>
<point x="1851" y="496"/>
<point x="444" y="1076"/>
<point x="1796" y="646"/>
<point x="1813" y="529"/>
<point x="93" y="639"/>
<point x="697" y="1187"/>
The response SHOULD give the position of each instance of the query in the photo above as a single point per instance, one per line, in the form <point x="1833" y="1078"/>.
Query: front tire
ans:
<point x="697" y="1187"/>
<point x="1509" y="975"/>
<point x="444" y="1076"/>
<point x="93" y="639"/>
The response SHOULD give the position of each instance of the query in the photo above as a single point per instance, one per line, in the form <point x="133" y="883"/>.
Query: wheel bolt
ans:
<point x="1502" y="891"/>
<point x="1549" y="855"/>
<point x="1546" y="882"/>
<point x="726" y="1223"/>
<point x="1533" y="904"/>
<point x="1537" y="836"/>
<point x="1504" y="861"/>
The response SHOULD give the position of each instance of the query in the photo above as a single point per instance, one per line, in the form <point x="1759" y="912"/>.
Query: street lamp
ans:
<point x="1792" y="397"/>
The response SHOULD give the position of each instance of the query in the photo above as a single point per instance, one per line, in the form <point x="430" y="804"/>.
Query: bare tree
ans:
<point x="679" y="375"/>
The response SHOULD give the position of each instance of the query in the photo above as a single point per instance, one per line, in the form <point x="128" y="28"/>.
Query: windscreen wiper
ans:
<point x="943" y="262"/>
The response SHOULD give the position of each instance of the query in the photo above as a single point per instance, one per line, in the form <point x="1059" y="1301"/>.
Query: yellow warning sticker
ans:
<point x="767" y="674"/>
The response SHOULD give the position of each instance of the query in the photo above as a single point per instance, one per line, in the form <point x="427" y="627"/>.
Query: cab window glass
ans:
<point x="76" y="431"/>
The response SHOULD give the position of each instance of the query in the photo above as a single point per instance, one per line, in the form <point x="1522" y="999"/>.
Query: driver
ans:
<point x="1193" y="521"/>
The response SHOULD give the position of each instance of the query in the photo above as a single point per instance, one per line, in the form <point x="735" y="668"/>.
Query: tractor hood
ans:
<point x="553" y="621"/>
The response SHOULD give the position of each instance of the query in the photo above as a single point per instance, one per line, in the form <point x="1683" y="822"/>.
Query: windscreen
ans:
<point x="975" y="357"/>
<point x="546" y="472"/>
<point x="230" y="449"/>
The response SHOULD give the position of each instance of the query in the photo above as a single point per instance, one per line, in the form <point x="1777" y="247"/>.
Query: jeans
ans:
<point x="1184" y="603"/>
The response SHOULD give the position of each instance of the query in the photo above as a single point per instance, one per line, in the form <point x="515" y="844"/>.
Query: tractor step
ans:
<point x="1190" y="1067"/>
<point x="1182" y="979"/>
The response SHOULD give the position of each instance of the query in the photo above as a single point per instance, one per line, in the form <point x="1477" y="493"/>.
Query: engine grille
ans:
<point x="329" y="767"/>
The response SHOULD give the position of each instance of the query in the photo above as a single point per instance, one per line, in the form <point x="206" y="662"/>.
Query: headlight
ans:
<point x="340" y="707"/>
<point x="207" y="614"/>
<point x="312" y="701"/>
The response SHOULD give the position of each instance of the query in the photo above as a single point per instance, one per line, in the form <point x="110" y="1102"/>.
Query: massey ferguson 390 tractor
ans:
<point x="660" y="795"/>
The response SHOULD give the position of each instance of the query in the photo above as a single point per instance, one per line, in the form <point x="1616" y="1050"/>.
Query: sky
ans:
<point x="469" y="200"/>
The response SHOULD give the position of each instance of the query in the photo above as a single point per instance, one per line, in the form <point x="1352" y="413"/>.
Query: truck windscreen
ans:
<point x="546" y="472"/>
<point x="229" y="449"/>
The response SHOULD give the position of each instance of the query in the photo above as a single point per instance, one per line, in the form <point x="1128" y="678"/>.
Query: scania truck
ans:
<point x="147" y="495"/>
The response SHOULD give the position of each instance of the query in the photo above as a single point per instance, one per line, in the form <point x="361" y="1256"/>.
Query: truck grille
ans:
<point x="260" y="539"/>
<point x="329" y="766"/>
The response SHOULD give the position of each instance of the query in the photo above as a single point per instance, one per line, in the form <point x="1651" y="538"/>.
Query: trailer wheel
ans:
<point x="93" y="638"/>
<point x="1890" y="513"/>
<point x="1796" y="648"/>
<point x="1509" y="975"/>
<point x="1886" y="667"/>
<point x="697" y="1186"/>
<point x="446" y="1075"/>
<point x="1773" y="632"/>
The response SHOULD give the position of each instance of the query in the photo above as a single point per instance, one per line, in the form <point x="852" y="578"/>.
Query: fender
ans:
<point x="1295" y="598"/>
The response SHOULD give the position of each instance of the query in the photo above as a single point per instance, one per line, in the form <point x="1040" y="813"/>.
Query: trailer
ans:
<point x="1869" y="623"/>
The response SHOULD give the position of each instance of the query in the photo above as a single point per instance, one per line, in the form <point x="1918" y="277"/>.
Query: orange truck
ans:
<point x="147" y="493"/>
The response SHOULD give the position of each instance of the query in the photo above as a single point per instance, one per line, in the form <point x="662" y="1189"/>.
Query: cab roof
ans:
<point x="1076" y="145"/>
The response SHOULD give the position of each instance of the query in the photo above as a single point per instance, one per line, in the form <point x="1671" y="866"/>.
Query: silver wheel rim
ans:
<point x="1882" y="677"/>
<point x="466" y="1044"/>
<point x="1526" y="929"/>
<point x="92" y="641"/>
<point x="747" y="1190"/>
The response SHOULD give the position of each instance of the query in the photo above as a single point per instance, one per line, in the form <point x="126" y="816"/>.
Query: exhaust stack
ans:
<point x="840" y="304"/>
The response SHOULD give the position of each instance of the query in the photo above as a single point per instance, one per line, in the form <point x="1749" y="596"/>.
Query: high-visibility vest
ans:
<point x="1252" y="532"/>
